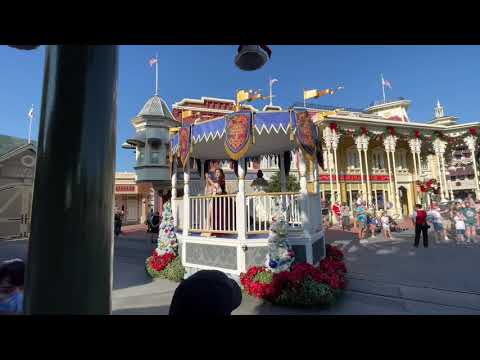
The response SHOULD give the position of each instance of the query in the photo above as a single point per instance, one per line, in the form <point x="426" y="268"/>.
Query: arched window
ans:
<point x="378" y="159"/>
<point x="352" y="158"/>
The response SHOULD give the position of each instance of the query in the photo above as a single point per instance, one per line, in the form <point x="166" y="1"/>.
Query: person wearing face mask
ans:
<point x="12" y="274"/>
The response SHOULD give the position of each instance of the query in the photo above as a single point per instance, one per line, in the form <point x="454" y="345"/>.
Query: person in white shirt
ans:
<point x="459" y="226"/>
<point x="434" y="217"/>
<point x="386" y="226"/>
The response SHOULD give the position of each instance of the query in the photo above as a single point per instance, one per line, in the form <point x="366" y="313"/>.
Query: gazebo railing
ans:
<point x="213" y="213"/>
<point x="260" y="208"/>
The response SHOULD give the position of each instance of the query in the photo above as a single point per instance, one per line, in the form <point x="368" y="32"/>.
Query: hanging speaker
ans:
<point x="252" y="57"/>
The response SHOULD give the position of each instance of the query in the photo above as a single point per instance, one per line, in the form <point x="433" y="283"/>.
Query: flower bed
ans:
<point x="168" y="266"/>
<point x="304" y="285"/>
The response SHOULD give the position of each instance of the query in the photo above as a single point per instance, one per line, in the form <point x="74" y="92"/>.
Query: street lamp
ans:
<point x="252" y="57"/>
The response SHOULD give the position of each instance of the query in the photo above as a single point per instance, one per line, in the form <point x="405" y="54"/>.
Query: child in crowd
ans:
<point x="386" y="226"/>
<point x="345" y="211"/>
<point x="362" y="223"/>
<point x="459" y="226"/>
<point x="12" y="273"/>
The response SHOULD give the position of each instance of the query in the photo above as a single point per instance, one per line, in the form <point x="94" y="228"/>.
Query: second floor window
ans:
<point x="378" y="159"/>
<point x="155" y="157"/>
<point x="352" y="158"/>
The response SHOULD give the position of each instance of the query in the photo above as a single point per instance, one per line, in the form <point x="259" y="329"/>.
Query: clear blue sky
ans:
<point x="418" y="73"/>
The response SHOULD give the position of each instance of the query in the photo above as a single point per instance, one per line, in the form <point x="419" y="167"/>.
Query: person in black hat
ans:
<point x="206" y="293"/>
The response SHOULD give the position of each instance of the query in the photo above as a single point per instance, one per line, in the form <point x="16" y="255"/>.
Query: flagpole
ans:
<point x="156" y="74"/>
<point x="383" y="88"/>
<point x="270" y="82"/>
<point x="304" y="100"/>
<point x="30" y="127"/>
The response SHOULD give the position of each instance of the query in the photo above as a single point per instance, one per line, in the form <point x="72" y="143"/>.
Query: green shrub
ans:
<point x="173" y="271"/>
<point x="309" y="294"/>
<point x="264" y="277"/>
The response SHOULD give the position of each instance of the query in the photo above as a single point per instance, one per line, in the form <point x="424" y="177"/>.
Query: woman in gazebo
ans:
<point x="215" y="208"/>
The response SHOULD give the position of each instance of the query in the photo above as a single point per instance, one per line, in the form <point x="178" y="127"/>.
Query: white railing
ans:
<point x="213" y="214"/>
<point x="260" y="209"/>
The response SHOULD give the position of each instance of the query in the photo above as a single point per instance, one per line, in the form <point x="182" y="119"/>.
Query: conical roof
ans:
<point x="156" y="106"/>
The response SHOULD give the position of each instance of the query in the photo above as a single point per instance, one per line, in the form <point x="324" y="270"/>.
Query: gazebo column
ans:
<point x="186" y="198"/>
<point x="202" y="176"/>
<point x="174" y="193"/>
<point x="241" y="215"/>
<point x="397" y="191"/>
<point x="304" y="193"/>
<point x="390" y="176"/>
<point x="471" y="142"/>
<point x="390" y="143"/>
<point x="283" y="176"/>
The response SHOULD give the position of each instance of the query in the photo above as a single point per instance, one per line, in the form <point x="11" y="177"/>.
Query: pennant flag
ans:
<point x="386" y="83"/>
<point x="242" y="95"/>
<point x="30" y="113"/>
<point x="152" y="61"/>
<point x="186" y="113"/>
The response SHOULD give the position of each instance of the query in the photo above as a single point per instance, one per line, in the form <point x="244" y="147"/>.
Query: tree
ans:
<point x="293" y="184"/>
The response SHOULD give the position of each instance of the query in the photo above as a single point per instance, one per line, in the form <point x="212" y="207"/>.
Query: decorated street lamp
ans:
<point x="252" y="57"/>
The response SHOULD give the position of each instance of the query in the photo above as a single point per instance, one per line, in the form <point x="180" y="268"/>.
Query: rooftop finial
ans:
<point x="439" y="110"/>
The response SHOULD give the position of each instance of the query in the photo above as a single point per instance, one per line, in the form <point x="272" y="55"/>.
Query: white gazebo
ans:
<point x="225" y="232"/>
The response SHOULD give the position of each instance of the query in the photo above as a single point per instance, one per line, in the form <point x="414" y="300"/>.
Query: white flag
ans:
<point x="30" y="113"/>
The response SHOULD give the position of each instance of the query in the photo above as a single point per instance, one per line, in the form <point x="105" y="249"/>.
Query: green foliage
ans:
<point x="274" y="183"/>
<point x="309" y="294"/>
<point x="264" y="277"/>
<point x="173" y="271"/>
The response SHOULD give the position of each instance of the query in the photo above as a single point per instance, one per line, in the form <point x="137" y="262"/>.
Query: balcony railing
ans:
<point x="260" y="209"/>
<point x="213" y="213"/>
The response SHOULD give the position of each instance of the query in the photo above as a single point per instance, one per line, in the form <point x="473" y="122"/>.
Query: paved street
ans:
<point x="385" y="277"/>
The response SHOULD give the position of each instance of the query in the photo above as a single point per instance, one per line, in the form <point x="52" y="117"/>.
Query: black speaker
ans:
<point x="252" y="57"/>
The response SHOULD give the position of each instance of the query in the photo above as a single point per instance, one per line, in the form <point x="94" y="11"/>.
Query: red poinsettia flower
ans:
<point x="473" y="131"/>
<point x="418" y="135"/>
<point x="364" y="131"/>
<point x="391" y="131"/>
<point x="333" y="126"/>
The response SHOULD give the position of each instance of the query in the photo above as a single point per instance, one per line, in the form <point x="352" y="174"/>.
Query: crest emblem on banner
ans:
<point x="184" y="144"/>
<point x="305" y="134"/>
<point x="238" y="134"/>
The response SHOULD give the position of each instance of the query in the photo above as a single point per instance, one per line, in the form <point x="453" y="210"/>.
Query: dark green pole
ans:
<point x="69" y="269"/>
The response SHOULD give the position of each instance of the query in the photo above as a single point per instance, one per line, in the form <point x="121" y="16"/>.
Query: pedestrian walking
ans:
<point x="362" y="224"/>
<point x="470" y="215"/>
<point x="434" y="217"/>
<point x="345" y="212"/>
<point x="372" y="224"/>
<point x="421" y="226"/>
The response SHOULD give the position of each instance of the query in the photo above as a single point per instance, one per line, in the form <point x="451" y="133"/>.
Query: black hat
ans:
<point x="14" y="271"/>
<point x="206" y="293"/>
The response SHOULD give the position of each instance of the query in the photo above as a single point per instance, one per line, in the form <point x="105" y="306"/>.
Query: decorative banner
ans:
<point x="382" y="178"/>
<point x="238" y="134"/>
<point x="184" y="144"/>
<point x="305" y="133"/>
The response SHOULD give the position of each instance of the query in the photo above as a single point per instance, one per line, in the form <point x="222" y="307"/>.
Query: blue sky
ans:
<point x="418" y="73"/>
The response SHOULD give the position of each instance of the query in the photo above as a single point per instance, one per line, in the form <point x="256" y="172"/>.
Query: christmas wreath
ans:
<point x="303" y="285"/>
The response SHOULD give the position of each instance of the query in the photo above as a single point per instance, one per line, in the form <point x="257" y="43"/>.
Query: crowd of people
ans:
<point x="457" y="220"/>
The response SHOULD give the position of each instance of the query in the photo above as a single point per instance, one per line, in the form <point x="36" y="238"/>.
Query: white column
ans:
<point x="365" y="141"/>
<point x="335" y="142"/>
<point x="304" y="193"/>
<point x="241" y="214"/>
<point x="438" y="146"/>
<point x="471" y="142"/>
<point x="445" y="175"/>
<point x="202" y="176"/>
<point x="397" y="192"/>
<point x="174" y="192"/>
<point x="283" y="176"/>
<point x="186" y="198"/>
<point x="384" y="198"/>
<point x="358" y="142"/>
<point x="413" y="148"/>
